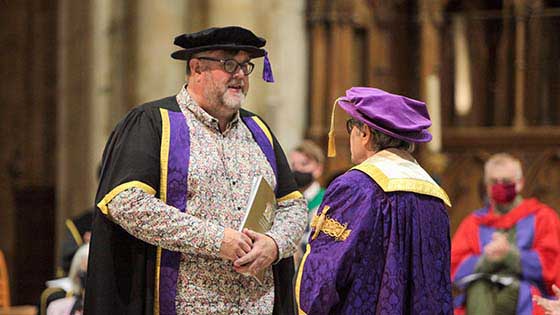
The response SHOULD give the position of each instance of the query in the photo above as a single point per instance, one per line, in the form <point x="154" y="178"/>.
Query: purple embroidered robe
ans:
<point x="395" y="260"/>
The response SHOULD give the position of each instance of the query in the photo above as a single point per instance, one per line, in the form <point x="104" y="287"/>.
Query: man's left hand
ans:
<point x="262" y="255"/>
<point x="498" y="248"/>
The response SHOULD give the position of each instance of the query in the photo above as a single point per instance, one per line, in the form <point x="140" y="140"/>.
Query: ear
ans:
<point x="365" y="135"/>
<point x="194" y="64"/>
<point x="519" y="185"/>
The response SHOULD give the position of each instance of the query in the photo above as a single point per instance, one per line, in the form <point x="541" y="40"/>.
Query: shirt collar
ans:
<point x="186" y="102"/>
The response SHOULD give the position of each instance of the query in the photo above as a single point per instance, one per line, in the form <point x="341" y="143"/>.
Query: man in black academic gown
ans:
<point x="176" y="176"/>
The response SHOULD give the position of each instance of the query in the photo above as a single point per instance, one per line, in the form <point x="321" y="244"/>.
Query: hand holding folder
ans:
<point x="259" y="216"/>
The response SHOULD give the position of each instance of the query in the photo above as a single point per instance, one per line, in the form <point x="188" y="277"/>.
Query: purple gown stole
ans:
<point x="263" y="137"/>
<point x="174" y="157"/>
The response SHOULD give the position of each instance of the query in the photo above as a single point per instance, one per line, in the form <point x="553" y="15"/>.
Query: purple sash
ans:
<point x="178" y="166"/>
<point x="264" y="143"/>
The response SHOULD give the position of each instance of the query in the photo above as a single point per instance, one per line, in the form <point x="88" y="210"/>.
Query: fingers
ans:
<point x="549" y="306"/>
<point x="489" y="249"/>
<point x="240" y="253"/>
<point x="499" y="238"/>
<point x="235" y="244"/>
<point x="261" y="255"/>
<point x="556" y="290"/>
<point x="252" y="234"/>
<point x="250" y="268"/>
<point x="540" y="301"/>
<point x="247" y="258"/>
<point x="242" y="269"/>
<point x="246" y="243"/>
<point x="536" y="299"/>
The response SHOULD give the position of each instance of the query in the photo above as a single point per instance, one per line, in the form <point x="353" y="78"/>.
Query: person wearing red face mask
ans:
<point x="506" y="252"/>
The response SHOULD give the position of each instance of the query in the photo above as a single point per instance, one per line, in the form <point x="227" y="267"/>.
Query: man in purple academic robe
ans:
<point x="380" y="240"/>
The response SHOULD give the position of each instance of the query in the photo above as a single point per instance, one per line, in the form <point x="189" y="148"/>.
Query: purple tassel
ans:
<point x="267" y="69"/>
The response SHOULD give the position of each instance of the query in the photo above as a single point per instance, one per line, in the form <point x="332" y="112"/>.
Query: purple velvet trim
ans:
<point x="267" y="69"/>
<point x="178" y="165"/>
<point x="524" y="302"/>
<point x="531" y="268"/>
<point x="481" y="212"/>
<point x="525" y="232"/>
<point x="466" y="267"/>
<point x="485" y="235"/>
<point x="263" y="142"/>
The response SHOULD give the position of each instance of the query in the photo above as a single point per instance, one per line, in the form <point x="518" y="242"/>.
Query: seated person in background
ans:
<point x="72" y="304"/>
<point x="307" y="163"/>
<point x="551" y="307"/>
<point x="77" y="232"/>
<point x="507" y="251"/>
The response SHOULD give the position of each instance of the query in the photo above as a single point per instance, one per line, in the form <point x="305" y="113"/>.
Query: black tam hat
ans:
<point x="226" y="38"/>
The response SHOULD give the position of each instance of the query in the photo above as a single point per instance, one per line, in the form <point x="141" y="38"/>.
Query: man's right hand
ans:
<point x="550" y="306"/>
<point x="235" y="245"/>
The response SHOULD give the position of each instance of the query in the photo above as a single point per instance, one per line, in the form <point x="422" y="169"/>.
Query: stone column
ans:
<point x="431" y="19"/>
<point x="74" y="177"/>
<point x="157" y="74"/>
<point x="520" y="9"/>
<point x="285" y="106"/>
<point x="92" y="71"/>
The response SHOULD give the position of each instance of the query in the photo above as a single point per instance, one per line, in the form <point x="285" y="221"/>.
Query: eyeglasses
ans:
<point x="350" y="123"/>
<point x="232" y="66"/>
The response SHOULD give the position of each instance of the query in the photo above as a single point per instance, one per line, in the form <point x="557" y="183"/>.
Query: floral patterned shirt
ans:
<point x="222" y="167"/>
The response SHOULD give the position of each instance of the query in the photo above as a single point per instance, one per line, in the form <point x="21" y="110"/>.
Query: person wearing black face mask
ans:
<point x="303" y="179"/>
<point x="507" y="251"/>
<point x="306" y="161"/>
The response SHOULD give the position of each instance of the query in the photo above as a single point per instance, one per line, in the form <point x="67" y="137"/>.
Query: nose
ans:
<point x="239" y="72"/>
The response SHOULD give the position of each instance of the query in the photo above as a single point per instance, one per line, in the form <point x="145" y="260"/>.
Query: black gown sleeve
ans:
<point x="121" y="268"/>
<point x="132" y="156"/>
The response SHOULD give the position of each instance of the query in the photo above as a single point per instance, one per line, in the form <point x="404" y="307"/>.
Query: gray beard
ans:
<point x="233" y="103"/>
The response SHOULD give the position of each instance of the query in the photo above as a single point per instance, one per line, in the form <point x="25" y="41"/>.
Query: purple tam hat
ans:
<point x="226" y="38"/>
<point x="394" y="115"/>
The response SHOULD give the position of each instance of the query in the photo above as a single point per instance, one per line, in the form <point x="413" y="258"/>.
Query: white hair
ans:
<point x="501" y="159"/>
<point x="80" y="256"/>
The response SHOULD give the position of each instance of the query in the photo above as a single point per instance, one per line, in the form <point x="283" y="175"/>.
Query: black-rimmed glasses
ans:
<point x="231" y="65"/>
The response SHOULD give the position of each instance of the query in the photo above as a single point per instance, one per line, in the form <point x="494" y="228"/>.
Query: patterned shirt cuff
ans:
<point x="217" y="243"/>
<point x="289" y="225"/>
<point x="281" y="250"/>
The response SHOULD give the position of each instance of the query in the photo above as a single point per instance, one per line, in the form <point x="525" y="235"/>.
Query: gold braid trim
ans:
<point x="331" y="227"/>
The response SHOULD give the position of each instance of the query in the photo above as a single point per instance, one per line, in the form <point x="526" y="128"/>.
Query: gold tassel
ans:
<point x="331" y="152"/>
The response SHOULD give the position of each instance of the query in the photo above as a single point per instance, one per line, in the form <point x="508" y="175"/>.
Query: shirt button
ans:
<point x="233" y="182"/>
<point x="238" y="208"/>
